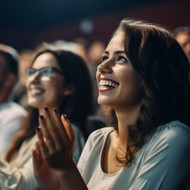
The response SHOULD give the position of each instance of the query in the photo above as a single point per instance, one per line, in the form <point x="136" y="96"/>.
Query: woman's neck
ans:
<point x="126" y="118"/>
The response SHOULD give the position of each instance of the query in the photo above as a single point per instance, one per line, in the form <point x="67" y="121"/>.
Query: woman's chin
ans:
<point x="103" y="102"/>
<point x="36" y="105"/>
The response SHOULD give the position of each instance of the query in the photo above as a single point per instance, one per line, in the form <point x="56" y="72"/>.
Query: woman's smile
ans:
<point x="36" y="91"/>
<point x="106" y="84"/>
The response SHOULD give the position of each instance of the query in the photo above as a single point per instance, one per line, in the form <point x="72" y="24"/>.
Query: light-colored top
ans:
<point x="18" y="174"/>
<point x="11" y="116"/>
<point x="162" y="163"/>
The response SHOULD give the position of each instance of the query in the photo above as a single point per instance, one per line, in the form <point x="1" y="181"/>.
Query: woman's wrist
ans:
<point x="64" y="172"/>
<point x="69" y="174"/>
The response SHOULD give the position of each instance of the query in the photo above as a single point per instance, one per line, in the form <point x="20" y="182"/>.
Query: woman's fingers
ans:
<point x="36" y="161"/>
<point x="57" y="131"/>
<point x="45" y="126"/>
<point x="62" y="129"/>
<point x="68" y="128"/>
<point x="39" y="153"/>
<point x="56" y="139"/>
<point x="55" y="125"/>
<point x="43" y="146"/>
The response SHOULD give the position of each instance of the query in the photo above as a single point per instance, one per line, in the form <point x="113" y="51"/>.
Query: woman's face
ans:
<point x="118" y="83"/>
<point x="45" y="88"/>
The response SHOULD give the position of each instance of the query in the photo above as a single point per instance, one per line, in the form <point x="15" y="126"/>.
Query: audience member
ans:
<point x="82" y="48"/>
<point x="64" y="45"/>
<point x="95" y="51"/>
<point x="143" y="79"/>
<point x="182" y="35"/>
<point x="97" y="119"/>
<point x="19" y="93"/>
<point x="60" y="80"/>
<point x="11" y="114"/>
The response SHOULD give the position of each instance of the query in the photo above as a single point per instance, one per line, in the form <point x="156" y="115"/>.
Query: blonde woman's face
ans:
<point x="45" y="86"/>
<point x="118" y="83"/>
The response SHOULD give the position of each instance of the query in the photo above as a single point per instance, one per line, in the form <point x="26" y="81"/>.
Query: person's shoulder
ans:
<point x="16" y="108"/>
<point x="174" y="131"/>
<point x="100" y="134"/>
<point x="173" y="126"/>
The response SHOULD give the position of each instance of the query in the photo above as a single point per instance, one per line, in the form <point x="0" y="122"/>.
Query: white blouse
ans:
<point x="163" y="163"/>
<point x="18" y="174"/>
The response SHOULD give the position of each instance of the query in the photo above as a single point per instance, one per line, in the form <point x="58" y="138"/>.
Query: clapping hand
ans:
<point x="44" y="175"/>
<point x="56" y="138"/>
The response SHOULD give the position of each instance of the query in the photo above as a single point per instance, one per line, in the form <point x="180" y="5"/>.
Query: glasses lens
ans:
<point x="30" y="71"/>
<point x="46" y="73"/>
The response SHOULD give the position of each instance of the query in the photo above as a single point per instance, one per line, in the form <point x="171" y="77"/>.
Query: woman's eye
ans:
<point x="30" y="72"/>
<point x="46" y="72"/>
<point x="123" y="59"/>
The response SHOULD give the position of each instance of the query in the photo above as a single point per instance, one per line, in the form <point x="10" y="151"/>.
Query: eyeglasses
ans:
<point x="44" y="73"/>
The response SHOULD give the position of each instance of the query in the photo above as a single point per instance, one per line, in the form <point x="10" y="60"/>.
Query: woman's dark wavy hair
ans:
<point x="158" y="58"/>
<point x="77" y="106"/>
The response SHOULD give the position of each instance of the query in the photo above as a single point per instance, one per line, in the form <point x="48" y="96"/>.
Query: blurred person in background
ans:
<point x="182" y="35"/>
<point x="19" y="92"/>
<point x="82" y="44"/>
<point x="94" y="53"/>
<point x="74" y="47"/>
<point x="97" y="118"/>
<point x="61" y="81"/>
<point x="11" y="114"/>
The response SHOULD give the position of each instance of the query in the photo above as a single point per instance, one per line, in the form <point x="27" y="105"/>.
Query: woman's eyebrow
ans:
<point x="117" y="52"/>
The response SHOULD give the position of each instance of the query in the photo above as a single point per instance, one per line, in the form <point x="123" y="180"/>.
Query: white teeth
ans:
<point x="34" y="91"/>
<point x="108" y="83"/>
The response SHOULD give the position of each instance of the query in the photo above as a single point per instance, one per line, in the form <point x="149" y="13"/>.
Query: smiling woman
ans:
<point x="45" y="83"/>
<point x="143" y="80"/>
<point x="57" y="80"/>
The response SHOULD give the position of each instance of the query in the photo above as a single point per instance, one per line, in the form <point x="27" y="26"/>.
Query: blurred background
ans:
<point x="26" y="23"/>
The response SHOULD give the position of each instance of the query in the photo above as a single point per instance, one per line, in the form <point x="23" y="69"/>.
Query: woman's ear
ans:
<point x="68" y="89"/>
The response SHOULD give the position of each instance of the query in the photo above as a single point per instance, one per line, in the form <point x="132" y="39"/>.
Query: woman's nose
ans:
<point x="105" y="67"/>
<point x="35" y="77"/>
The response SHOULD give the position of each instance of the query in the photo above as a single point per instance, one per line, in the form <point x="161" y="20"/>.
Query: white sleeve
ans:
<point x="91" y="149"/>
<point x="166" y="165"/>
<point x="19" y="175"/>
<point x="13" y="178"/>
<point x="84" y="154"/>
<point x="8" y="132"/>
<point x="87" y="149"/>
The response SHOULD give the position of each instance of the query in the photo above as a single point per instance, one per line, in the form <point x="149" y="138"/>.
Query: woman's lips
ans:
<point x="107" y="84"/>
<point x="36" y="91"/>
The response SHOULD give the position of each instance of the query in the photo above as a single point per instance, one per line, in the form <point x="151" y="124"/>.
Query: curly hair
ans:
<point x="158" y="58"/>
